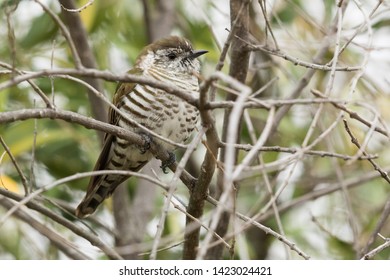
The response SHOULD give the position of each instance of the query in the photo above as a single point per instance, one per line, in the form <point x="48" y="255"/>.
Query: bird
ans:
<point x="172" y="60"/>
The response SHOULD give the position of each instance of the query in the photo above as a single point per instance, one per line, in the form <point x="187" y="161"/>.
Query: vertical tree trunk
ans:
<point x="239" y="20"/>
<point x="80" y="37"/>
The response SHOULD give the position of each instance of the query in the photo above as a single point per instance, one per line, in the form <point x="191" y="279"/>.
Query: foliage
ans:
<point x="329" y="195"/>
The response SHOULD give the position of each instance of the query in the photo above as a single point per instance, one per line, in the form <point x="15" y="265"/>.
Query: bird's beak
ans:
<point x="196" y="54"/>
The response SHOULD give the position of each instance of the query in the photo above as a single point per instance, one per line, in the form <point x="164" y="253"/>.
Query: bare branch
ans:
<point x="37" y="206"/>
<point x="63" y="244"/>
<point x="78" y="10"/>
<point x="15" y="163"/>
<point x="352" y="114"/>
<point x="87" y="59"/>
<point x="383" y="173"/>
<point x="172" y="189"/>
<point x="106" y="75"/>
<point x="65" y="32"/>
<point x="377" y="250"/>
<point x="239" y="21"/>
<point x="297" y="61"/>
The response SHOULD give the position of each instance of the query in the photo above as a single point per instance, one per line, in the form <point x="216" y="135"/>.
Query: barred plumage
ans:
<point x="170" y="60"/>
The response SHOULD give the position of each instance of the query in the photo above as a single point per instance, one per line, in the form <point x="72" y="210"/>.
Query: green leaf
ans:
<point x="42" y="29"/>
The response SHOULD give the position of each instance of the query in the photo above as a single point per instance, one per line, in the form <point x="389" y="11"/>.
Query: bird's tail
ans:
<point x="89" y="204"/>
<point x="98" y="191"/>
<point x="101" y="187"/>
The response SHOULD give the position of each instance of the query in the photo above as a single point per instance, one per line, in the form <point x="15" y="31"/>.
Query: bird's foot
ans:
<point x="168" y="162"/>
<point x="147" y="141"/>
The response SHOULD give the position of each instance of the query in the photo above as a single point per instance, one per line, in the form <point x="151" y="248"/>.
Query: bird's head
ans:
<point x="173" y="54"/>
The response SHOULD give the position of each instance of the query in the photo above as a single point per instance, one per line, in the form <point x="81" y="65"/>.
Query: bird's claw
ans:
<point x="147" y="141"/>
<point x="168" y="162"/>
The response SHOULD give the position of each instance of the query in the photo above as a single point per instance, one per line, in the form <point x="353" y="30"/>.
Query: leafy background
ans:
<point x="47" y="150"/>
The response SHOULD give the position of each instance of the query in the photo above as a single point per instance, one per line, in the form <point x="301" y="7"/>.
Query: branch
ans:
<point x="37" y="206"/>
<point x="278" y="149"/>
<point x="313" y="195"/>
<point x="71" y="117"/>
<point x="172" y="188"/>
<point x="91" y="123"/>
<point x="304" y="81"/>
<point x="380" y="224"/>
<point x="78" y="10"/>
<point x="200" y="191"/>
<point x="65" y="32"/>
<point x="378" y="249"/>
<point x="252" y="221"/>
<point x="106" y="75"/>
<point x="80" y="38"/>
<point x="383" y="173"/>
<point x="64" y="245"/>
<point x="32" y="84"/>
<point x="352" y="114"/>
<point x="15" y="163"/>
<point x="297" y="61"/>
<point x="239" y="20"/>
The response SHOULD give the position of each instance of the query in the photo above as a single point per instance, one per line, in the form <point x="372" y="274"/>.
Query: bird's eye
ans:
<point x="171" y="55"/>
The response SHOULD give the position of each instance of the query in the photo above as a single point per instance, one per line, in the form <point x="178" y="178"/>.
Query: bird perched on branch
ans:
<point x="171" y="60"/>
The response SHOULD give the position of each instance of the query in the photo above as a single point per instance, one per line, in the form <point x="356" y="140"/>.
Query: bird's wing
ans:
<point x="122" y="90"/>
<point x="104" y="157"/>
<point x="101" y="163"/>
<point x="113" y="117"/>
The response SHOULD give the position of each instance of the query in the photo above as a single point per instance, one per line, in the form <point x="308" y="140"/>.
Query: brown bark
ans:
<point x="80" y="38"/>
<point x="239" y="18"/>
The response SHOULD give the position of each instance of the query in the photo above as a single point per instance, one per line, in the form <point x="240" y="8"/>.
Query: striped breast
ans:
<point x="163" y="113"/>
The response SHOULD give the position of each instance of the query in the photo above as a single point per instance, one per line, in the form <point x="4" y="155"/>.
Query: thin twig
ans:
<point x="172" y="188"/>
<point x="196" y="223"/>
<point x="15" y="163"/>
<point x="37" y="206"/>
<point x="278" y="149"/>
<point x="352" y="114"/>
<point x="78" y="10"/>
<point x="62" y="243"/>
<point x="378" y="227"/>
<point x="377" y="250"/>
<point x="265" y="176"/>
<point x="65" y="32"/>
<point x="33" y="148"/>
<point x="251" y="221"/>
<point x="41" y="94"/>
<point x="299" y="62"/>
<point x="106" y="75"/>
<point x="267" y="23"/>
<point x="383" y="174"/>
<point x="232" y="132"/>
<point x="71" y="178"/>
